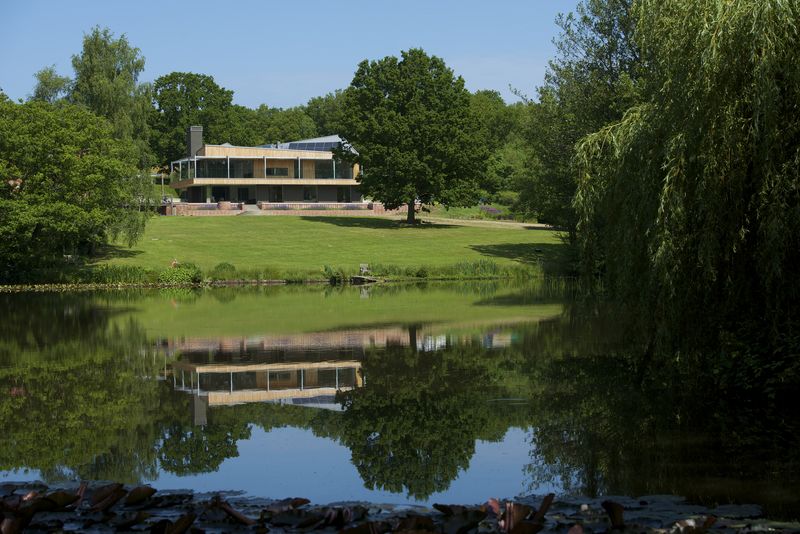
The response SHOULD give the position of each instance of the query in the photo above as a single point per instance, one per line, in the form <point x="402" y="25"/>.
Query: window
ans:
<point x="310" y="194"/>
<point x="276" y="194"/>
<point x="277" y="171"/>
<point x="323" y="168"/>
<point x="343" y="170"/>
<point x="343" y="194"/>
<point x="212" y="168"/>
<point x="241" y="168"/>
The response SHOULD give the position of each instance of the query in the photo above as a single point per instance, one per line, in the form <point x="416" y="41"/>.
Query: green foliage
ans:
<point x="278" y="125"/>
<point x="66" y="186"/>
<point x="414" y="428"/>
<point x="326" y="112"/>
<point x="417" y="141"/>
<point x="336" y="276"/>
<point x="691" y="203"/>
<point x="50" y="86"/>
<point x="590" y="83"/>
<point x="106" y="82"/>
<point x="223" y="271"/>
<point x="121" y="274"/>
<point x="181" y="273"/>
<point x="506" y="198"/>
<point x="184" y="99"/>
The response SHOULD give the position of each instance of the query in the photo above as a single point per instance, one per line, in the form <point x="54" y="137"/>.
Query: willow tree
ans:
<point x="689" y="204"/>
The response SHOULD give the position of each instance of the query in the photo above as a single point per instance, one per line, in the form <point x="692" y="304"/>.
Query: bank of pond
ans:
<point x="402" y="393"/>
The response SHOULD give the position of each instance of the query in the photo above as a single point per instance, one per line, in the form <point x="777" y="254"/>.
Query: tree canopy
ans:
<point x="67" y="185"/>
<point x="590" y="83"/>
<point x="50" y="86"/>
<point x="691" y="203"/>
<point x="106" y="82"/>
<point x="416" y="138"/>
<point x="183" y="99"/>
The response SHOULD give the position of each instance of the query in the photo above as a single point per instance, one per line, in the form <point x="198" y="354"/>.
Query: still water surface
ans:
<point x="440" y="392"/>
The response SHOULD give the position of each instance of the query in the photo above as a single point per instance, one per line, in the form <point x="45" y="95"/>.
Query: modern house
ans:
<point x="298" y="171"/>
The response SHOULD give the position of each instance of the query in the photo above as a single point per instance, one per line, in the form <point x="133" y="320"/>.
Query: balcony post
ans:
<point x="228" y="161"/>
<point x="334" y="167"/>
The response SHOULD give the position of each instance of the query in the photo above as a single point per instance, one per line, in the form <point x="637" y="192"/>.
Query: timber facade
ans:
<point x="303" y="171"/>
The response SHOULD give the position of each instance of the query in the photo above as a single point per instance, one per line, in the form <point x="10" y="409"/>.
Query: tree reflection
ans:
<point x="413" y="427"/>
<point x="609" y="420"/>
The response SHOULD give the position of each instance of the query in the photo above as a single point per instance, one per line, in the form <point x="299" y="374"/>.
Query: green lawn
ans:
<point x="288" y="243"/>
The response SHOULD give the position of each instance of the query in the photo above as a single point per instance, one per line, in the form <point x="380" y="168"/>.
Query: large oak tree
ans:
<point x="410" y="122"/>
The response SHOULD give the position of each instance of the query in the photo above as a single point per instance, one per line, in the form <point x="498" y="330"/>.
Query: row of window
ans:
<point x="243" y="168"/>
<point x="343" y="194"/>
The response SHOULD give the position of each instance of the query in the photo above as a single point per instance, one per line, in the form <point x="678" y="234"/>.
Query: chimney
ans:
<point x="194" y="140"/>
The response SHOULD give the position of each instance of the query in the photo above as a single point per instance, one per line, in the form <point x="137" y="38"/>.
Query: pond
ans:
<point x="395" y="394"/>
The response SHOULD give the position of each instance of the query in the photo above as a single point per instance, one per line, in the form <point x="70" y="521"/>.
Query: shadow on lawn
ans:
<point x="555" y="259"/>
<point x="373" y="222"/>
<point x="108" y="252"/>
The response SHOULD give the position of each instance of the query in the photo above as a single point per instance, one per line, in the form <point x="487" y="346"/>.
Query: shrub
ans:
<point x="223" y="271"/>
<point x="181" y="273"/>
<point x="336" y="276"/>
<point x="120" y="274"/>
<point x="506" y="198"/>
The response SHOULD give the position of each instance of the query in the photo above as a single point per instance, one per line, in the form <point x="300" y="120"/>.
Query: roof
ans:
<point x="317" y="143"/>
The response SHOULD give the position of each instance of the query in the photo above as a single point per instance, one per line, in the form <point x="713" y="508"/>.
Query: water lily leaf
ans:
<point x="463" y="521"/>
<point x="575" y="529"/>
<point x="515" y="513"/>
<point x="296" y="519"/>
<point x="371" y="527"/>
<point x="236" y="514"/>
<point x="11" y="525"/>
<point x="183" y="523"/>
<point x="538" y="517"/>
<point x="62" y="499"/>
<point x="450" y="509"/>
<point x="110" y="500"/>
<point x="415" y="523"/>
<point x="527" y="527"/>
<point x="126" y="521"/>
<point x="103" y="492"/>
<point x="285" y="504"/>
<point x="615" y="513"/>
<point x="139" y="495"/>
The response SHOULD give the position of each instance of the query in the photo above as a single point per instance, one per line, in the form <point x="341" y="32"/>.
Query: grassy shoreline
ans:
<point x="126" y="278"/>
<point x="299" y="249"/>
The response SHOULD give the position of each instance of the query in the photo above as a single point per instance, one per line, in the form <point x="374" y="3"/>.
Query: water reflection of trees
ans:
<point x="608" y="419"/>
<point x="413" y="427"/>
<point x="78" y="396"/>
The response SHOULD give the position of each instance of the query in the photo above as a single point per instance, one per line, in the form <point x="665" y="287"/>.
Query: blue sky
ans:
<point x="283" y="53"/>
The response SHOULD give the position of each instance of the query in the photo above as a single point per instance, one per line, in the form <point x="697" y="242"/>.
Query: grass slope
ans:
<point x="307" y="243"/>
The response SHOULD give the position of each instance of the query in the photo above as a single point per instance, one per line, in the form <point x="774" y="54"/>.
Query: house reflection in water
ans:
<point x="300" y="369"/>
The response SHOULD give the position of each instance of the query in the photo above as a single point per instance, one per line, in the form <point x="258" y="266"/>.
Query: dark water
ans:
<point x="451" y="393"/>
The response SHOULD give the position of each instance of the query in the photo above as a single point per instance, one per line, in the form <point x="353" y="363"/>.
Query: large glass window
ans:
<point x="277" y="171"/>
<point x="343" y="170"/>
<point x="310" y="194"/>
<point x="343" y="194"/>
<point x="212" y="168"/>
<point x="241" y="168"/>
<point x="323" y="168"/>
<point x="276" y="194"/>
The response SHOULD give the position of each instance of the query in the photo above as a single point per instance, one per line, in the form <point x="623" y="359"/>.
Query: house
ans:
<point x="298" y="171"/>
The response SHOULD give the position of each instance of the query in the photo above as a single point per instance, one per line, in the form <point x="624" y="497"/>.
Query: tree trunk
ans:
<point x="411" y="213"/>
